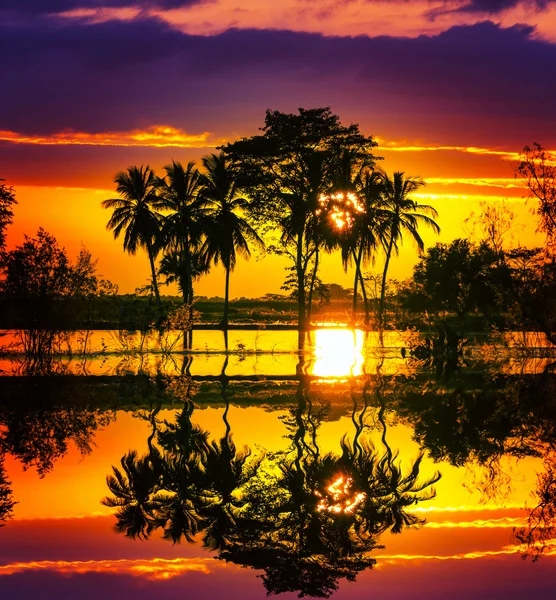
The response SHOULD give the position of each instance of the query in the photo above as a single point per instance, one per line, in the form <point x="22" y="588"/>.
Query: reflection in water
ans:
<point x="306" y="519"/>
<point x="304" y="516"/>
<point x="337" y="352"/>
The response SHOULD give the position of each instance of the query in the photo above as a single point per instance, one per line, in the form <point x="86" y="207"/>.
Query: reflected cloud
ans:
<point x="155" y="569"/>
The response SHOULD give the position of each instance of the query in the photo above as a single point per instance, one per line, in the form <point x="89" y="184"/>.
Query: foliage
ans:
<point x="537" y="169"/>
<point x="7" y="201"/>
<point x="135" y="214"/>
<point x="286" y="169"/>
<point x="44" y="290"/>
<point x="457" y="277"/>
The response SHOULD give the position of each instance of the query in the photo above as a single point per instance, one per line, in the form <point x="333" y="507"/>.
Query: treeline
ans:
<point x="306" y="185"/>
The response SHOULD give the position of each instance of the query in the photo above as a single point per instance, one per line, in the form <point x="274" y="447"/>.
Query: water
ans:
<point x="275" y="483"/>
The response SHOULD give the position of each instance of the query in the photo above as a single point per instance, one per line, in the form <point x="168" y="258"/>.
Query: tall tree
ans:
<point x="286" y="169"/>
<point x="405" y="216"/>
<point x="226" y="229"/>
<point x="181" y="230"/>
<point x="135" y="214"/>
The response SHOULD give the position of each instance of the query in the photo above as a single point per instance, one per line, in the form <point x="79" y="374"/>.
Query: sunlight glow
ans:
<point x="339" y="498"/>
<point x="337" y="353"/>
<point x="341" y="208"/>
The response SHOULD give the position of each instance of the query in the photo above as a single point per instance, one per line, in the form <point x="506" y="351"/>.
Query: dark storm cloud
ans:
<point x="121" y="75"/>
<point x="41" y="7"/>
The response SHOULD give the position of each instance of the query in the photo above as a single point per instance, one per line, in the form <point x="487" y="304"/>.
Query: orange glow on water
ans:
<point x="338" y="353"/>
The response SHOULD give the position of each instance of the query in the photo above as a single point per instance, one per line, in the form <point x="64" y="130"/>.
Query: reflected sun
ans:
<point x="337" y="353"/>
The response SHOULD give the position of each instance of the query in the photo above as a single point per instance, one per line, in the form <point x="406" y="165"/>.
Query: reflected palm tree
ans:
<point x="136" y="495"/>
<point x="305" y="518"/>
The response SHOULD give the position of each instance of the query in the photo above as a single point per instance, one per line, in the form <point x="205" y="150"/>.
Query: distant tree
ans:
<point x="458" y="277"/>
<point x="286" y="169"/>
<point x="44" y="287"/>
<point x="7" y="200"/>
<point x="227" y="232"/>
<point x="135" y="214"/>
<point x="405" y="216"/>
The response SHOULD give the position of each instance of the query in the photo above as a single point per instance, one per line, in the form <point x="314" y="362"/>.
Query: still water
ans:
<point x="345" y="470"/>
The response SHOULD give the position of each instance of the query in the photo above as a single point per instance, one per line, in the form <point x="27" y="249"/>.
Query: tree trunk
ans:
<point x="311" y="289"/>
<point x="357" y="258"/>
<point x="226" y="298"/>
<point x="383" y="286"/>
<point x="153" y="272"/>
<point x="301" y="316"/>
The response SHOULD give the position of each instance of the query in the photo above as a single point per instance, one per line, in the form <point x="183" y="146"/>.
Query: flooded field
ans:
<point x="347" y="466"/>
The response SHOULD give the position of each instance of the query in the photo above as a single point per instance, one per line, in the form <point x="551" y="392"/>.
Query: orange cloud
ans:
<point x="156" y="136"/>
<point x="403" y="147"/>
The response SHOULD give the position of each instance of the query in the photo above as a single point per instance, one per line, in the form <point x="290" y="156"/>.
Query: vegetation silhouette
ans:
<point x="226" y="232"/>
<point x="7" y="202"/>
<point x="305" y="518"/>
<point x="135" y="214"/>
<point x="405" y="215"/>
<point x="286" y="169"/>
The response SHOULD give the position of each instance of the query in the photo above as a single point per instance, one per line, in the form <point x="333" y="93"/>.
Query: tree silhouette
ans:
<point x="7" y="201"/>
<point x="405" y="216"/>
<point x="182" y="230"/>
<point x="227" y="232"/>
<point x="136" y="495"/>
<point x="285" y="170"/>
<point x="135" y="214"/>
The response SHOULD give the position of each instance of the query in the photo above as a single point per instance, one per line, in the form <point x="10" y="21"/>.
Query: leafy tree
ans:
<point x="6" y="501"/>
<point x="405" y="216"/>
<point x="538" y="171"/>
<point x="286" y="169"/>
<point x="43" y="286"/>
<point x="457" y="277"/>
<point x="135" y="214"/>
<point x="227" y="231"/>
<point x="7" y="200"/>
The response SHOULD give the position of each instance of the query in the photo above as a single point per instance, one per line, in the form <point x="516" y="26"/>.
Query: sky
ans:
<point x="452" y="90"/>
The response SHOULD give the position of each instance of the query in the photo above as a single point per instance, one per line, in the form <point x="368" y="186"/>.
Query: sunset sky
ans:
<point x="451" y="90"/>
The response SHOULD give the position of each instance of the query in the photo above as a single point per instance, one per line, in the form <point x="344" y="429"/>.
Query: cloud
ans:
<point x="478" y="81"/>
<point x="487" y="7"/>
<point x="157" y="136"/>
<point x="42" y="7"/>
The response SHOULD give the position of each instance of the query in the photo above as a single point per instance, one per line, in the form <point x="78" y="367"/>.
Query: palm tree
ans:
<point x="181" y="232"/>
<point x="226" y="231"/>
<point x="405" y="216"/>
<point x="135" y="214"/>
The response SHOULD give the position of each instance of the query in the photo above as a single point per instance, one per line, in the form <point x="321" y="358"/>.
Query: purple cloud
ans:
<point x="116" y="76"/>
<point x="42" y="7"/>
<point x="489" y="7"/>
